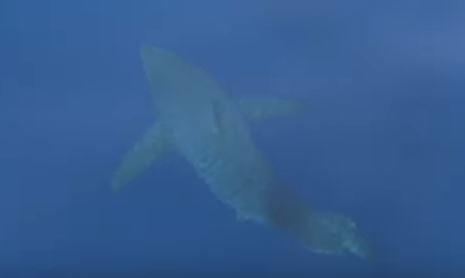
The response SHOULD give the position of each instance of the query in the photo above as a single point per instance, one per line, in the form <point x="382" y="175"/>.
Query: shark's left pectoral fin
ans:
<point x="256" y="109"/>
<point x="151" y="147"/>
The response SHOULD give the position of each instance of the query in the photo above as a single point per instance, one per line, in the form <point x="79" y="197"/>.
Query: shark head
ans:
<point x="331" y="233"/>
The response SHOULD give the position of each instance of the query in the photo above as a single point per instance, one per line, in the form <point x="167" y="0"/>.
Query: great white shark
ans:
<point x="202" y="124"/>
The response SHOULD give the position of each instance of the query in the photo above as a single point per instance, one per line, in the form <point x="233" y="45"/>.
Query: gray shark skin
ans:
<point x="202" y="124"/>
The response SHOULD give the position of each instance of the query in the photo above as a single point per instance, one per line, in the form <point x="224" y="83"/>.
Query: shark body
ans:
<point x="201" y="123"/>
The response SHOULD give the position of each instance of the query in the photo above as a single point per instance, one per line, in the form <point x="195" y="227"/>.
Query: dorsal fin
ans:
<point x="217" y="116"/>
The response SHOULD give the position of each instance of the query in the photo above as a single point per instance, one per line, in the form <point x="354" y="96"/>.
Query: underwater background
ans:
<point x="382" y="137"/>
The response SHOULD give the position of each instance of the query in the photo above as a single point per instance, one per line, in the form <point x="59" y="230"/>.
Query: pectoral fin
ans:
<point x="141" y="156"/>
<point x="266" y="108"/>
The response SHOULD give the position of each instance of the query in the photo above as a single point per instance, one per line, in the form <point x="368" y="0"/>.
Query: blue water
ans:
<point x="382" y="137"/>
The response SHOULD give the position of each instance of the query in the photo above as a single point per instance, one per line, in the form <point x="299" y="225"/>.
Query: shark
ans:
<point x="200" y="122"/>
